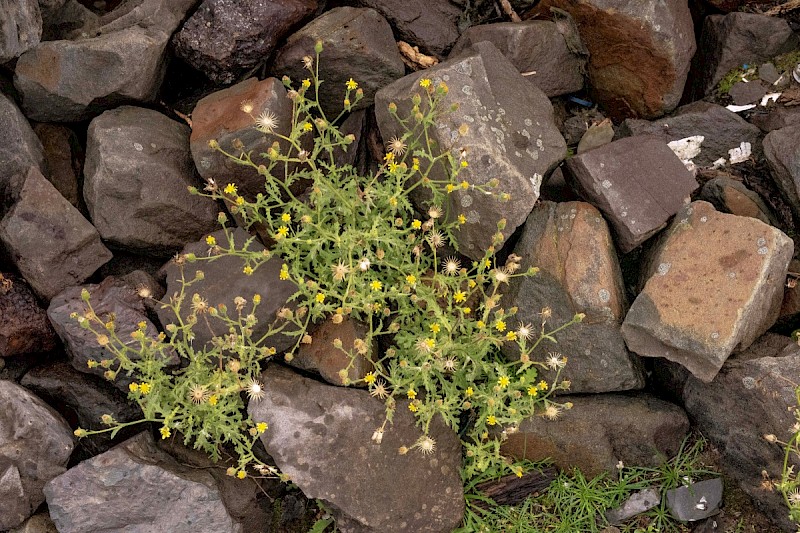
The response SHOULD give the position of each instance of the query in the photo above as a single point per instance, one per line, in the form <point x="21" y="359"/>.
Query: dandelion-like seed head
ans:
<point x="552" y="412"/>
<point x="555" y="361"/>
<point x="199" y="305"/>
<point x="255" y="390"/>
<point x="198" y="394"/>
<point x="794" y="497"/>
<point x="363" y="264"/>
<point x="450" y="364"/>
<point x="435" y="212"/>
<point x="308" y="62"/>
<point x="501" y="275"/>
<point x="425" y="445"/>
<point x="524" y="331"/>
<point x="340" y="270"/>
<point x="436" y="239"/>
<point x="267" y="121"/>
<point x="397" y="146"/>
<point x="379" y="390"/>
<point x="246" y="106"/>
<point x="451" y="266"/>
<point x="144" y="292"/>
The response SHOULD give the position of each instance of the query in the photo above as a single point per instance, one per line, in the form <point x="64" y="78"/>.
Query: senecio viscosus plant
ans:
<point x="356" y="249"/>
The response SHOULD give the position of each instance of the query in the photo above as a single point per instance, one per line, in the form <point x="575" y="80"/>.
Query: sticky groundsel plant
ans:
<point x="356" y="249"/>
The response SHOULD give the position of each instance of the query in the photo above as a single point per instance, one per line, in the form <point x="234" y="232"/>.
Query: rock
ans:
<point x="312" y="427"/>
<point x="729" y="41"/>
<point x="776" y="117"/>
<point x="780" y="150"/>
<point x="62" y="153"/>
<point x="721" y="130"/>
<point x="536" y="48"/>
<point x="84" y="398"/>
<point x="639" y="52"/>
<point x="506" y="126"/>
<point x="695" y="501"/>
<point x="744" y="93"/>
<point x="555" y="189"/>
<point x="20" y="148"/>
<point x="38" y="523"/>
<point x="768" y="73"/>
<point x="138" y="168"/>
<point x="322" y="357"/>
<point x="639" y="502"/>
<point x="430" y="24"/>
<point x="790" y="308"/>
<point x="730" y="196"/>
<point x="715" y="284"/>
<point x="121" y="61"/>
<point x="224" y="38"/>
<point x="750" y="398"/>
<point x="35" y="446"/>
<point x="72" y="19"/>
<point x="599" y="431"/>
<point x="24" y="327"/>
<point x="571" y="245"/>
<point x="106" y="492"/>
<point x="53" y="248"/>
<point x="21" y="23"/>
<point x="638" y="183"/>
<point x="734" y="5"/>
<point x="596" y="135"/>
<point x="223" y="281"/>
<point x="218" y="116"/>
<point x="110" y="296"/>
<point x="358" y="44"/>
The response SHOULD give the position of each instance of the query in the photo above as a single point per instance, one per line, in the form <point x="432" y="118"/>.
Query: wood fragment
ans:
<point x="505" y="5"/>
<point x="513" y="490"/>
<point x="783" y="8"/>
<point x="413" y="58"/>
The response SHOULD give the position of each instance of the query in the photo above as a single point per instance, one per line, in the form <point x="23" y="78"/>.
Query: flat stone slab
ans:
<point x="783" y="157"/>
<point x="638" y="183"/>
<point x="715" y="285"/>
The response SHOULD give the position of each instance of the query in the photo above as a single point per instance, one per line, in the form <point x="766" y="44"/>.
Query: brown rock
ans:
<point x="322" y="357"/>
<point x="24" y="327"/>
<point x="62" y="152"/>
<point x="731" y="196"/>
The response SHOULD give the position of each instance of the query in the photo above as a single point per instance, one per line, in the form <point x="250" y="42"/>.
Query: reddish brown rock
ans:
<point x="715" y="285"/>
<point x="24" y="327"/>
<point x="323" y="357"/>
<point x="62" y="152"/>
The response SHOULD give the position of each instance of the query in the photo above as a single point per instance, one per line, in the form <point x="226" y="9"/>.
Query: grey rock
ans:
<point x="748" y="399"/>
<point x="222" y="282"/>
<point x="62" y="152"/>
<point x="696" y="501"/>
<point x="49" y="241"/>
<point x="20" y="27"/>
<point x="320" y="436"/>
<point x="638" y="183"/>
<point x="20" y="148"/>
<point x="71" y="19"/>
<point x="537" y="48"/>
<point x="776" y="117"/>
<point x="106" y="493"/>
<point x="38" y="523"/>
<point x="768" y="73"/>
<point x="24" y="327"/>
<point x="599" y="431"/>
<point x="358" y="44"/>
<point x="715" y="284"/>
<point x="323" y="358"/>
<point x="506" y="126"/>
<point x="722" y="130"/>
<point x="744" y="93"/>
<point x="430" y="24"/>
<point x="596" y="136"/>
<point x="225" y="38"/>
<point x="729" y="41"/>
<point x="780" y="150"/>
<point x="138" y="168"/>
<point x="731" y="196"/>
<point x="637" y="503"/>
<point x="35" y="445"/>
<point x="122" y="60"/>
<point x="110" y="296"/>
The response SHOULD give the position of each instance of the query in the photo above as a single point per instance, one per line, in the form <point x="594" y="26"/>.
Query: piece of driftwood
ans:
<point x="512" y="490"/>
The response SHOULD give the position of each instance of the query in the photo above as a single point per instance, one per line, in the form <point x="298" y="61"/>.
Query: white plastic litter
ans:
<point x="687" y="149"/>
<point x="796" y="73"/>
<point x="740" y="108"/>
<point x="742" y="153"/>
<point x="719" y="163"/>
<point x="771" y="96"/>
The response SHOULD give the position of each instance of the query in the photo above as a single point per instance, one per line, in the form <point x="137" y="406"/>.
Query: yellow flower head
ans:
<point x="411" y="279"/>
<point x="425" y="83"/>
<point x="464" y="185"/>
<point x="469" y="392"/>
<point x="165" y="432"/>
<point x="133" y="387"/>
<point x="230" y="189"/>
<point x="464" y="164"/>
<point x="466" y="310"/>
<point x="213" y="399"/>
<point x="240" y="200"/>
<point x="306" y="83"/>
<point x="503" y="382"/>
<point x="283" y="231"/>
<point x="450" y="187"/>
<point x="211" y="241"/>
<point x="411" y="394"/>
<point x="416" y="224"/>
<point x="533" y="391"/>
<point x="415" y="163"/>
<point x="413" y="407"/>
<point x="435" y="328"/>
<point x="543" y="385"/>
<point x="500" y="325"/>
<point x="145" y="388"/>
<point x="320" y="298"/>
<point x="370" y="378"/>
<point x="376" y="285"/>
<point x="481" y="324"/>
<point x="241" y="474"/>
<point x="352" y="84"/>
<point x="511" y="336"/>
<point x="248" y="270"/>
<point x="459" y="296"/>
<point x="491" y="420"/>
<point x="261" y="427"/>
<point x="286" y="217"/>
<point x="307" y="126"/>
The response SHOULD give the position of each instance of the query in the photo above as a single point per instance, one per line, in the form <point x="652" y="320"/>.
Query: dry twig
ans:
<point x="505" y="5"/>
<point x="413" y="58"/>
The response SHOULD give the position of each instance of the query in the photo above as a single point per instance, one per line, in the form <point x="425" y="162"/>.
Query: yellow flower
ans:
<point x="256" y="299"/>
<point x="430" y="343"/>
<point x="450" y="187"/>
<point x="388" y="157"/>
<point x="241" y="474"/>
<point x="435" y="328"/>
<point x="213" y="399"/>
<point x="347" y="102"/>
<point x="469" y="392"/>
<point x="532" y="391"/>
<point x="283" y="231"/>
<point x="370" y="378"/>
<point x="230" y="189"/>
<point x="491" y="420"/>
<point x="248" y="270"/>
<point x="320" y="298"/>
<point x="500" y="325"/>
<point x="411" y="279"/>
<point x="239" y="200"/>
<point x="464" y="185"/>
<point x="352" y="84"/>
<point x="165" y="432"/>
<point x="286" y="217"/>
<point x="543" y="385"/>
<point x="503" y="382"/>
<point x="464" y="164"/>
<point x="413" y="408"/>
<point x="459" y="297"/>
<point x="261" y="427"/>
<point x="133" y="387"/>
<point x="472" y="284"/>
<point x="488" y="263"/>
<point x="415" y="163"/>
<point x="307" y="126"/>
<point x="416" y="224"/>
<point x="211" y="241"/>
<point x="511" y="336"/>
<point x="306" y="83"/>
<point x="284" y="275"/>
<point x="425" y="83"/>
<point x="466" y="310"/>
<point x="376" y="285"/>
<point x="411" y="394"/>
<point x="392" y="166"/>
<point x="144" y="388"/>
<point x="481" y="324"/>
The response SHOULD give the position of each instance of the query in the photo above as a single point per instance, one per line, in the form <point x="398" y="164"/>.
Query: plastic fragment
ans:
<point x="770" y="97"/>
<point x="741" y="153"/>
<point x="740" y="108"/>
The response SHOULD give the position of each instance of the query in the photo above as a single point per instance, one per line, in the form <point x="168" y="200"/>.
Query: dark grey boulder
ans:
<point x="537" y="48"/>
<point x="20" y="148"/>
<point x="137" y="488"/>
<point x="35" y="445"/>
<point x="24" y="327"/>
<point x="776" y="117"/>
<point x="358" y="44"/>
<point x="320" y="435"/>
<point x="506" y="126"/>
<point x="138" y="168"/>
<point x="223" y="39"/>
<point x="63" y="154"/>
<point x="49" y="241"/>
<point x="20" y="27"/>
<point x="780" y="150"/>
<point x="70" y="19"/>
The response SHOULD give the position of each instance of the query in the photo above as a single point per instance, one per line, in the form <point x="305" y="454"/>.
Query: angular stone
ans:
<point x="640" y="52"/>
<point x="106" y="493"/>
<point x="62" y="152"/>
<point x="537" y="48"/>
<point x="222" y="282"/>
<point x="596" y="135"/>
<point x="312" y="427"/>
<point x="20" y="27"/>
<point x="695" y="501"/>
<point x="123" y="60"/>
<point x="138" y="168"/>
<point x="223" y="39"/>
<point x="776" y="117"/>
<point x="599" y="431"/>
<point x="20" y="148"/>
<point x="780" y="150"/>
<point x="218" y="116"/>
<point x="38" y="523"/>
<point x="638" y="183"/>
<point x="24" y="327"/>
<point x="715" y="285"/>
<point x="749" y="398"/>
<point x="110" y="296"/>
<point x="731" y="196"/>
<point x="579" y="272"/>
<point x="503" y="122"/>
<point x="322" y="357"/>
<point x="727" y="6"/>
<point x="48" y="239"/>
<point x="358" y="44"/>
<point x="747" y="93"/>
<point x="721" y="130"/>
<point x="639" y="502"/>
<point x="430" y="24"/>
<point x="35" y="445"/>
<point x="71" y="19"/>
<point x="729" y="41"/>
